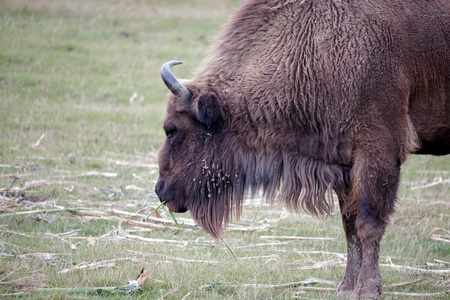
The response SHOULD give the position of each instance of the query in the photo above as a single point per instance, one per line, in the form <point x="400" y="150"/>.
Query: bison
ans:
<point x="298" y="99"/>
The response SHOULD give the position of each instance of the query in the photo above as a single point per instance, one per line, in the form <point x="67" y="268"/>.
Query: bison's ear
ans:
<point x="210" y="111"/>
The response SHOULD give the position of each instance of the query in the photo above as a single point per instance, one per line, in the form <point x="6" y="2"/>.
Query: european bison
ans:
<point x="299" y="98"/>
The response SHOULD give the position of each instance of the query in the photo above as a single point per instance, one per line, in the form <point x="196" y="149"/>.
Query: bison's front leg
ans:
<point x="354" y="247"/>
<point x="370" y="230"/>
<point x="376" y="182"/>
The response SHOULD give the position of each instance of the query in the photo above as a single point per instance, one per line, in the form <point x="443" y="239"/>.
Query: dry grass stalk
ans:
<point x="441" y="262"/>
<point x="25" y="284"/>
<point x="441" y="238"/>
<point x="340" y="255"/>
<point x="15" y="175"/>
<point x="14" y="232"/>
<point x="421" y="295"/>
<point x="95" y="265"/>
<point x="92" y="173"/>
<point x="150" y="240"/>
<point x="35" y="146"/>
<point x="120" y="203"/>
<point x="186" y="296"/>
<point x="297" y="238"/>
<point x="234" y="227"/>
<point x="106" y="216"/>
<point x="41" y="183"/>
<point x="140" y="216"/>
<point x="264" y="245"/>
<point x="134" y="222"/>
<point x="303" y="283"/>
<point x="172" y="258"/>
<point x="70" y="233"/>
<point x="10" y="273"/>
<point x="440" y="203"/>
<point x="435" y="182"/>
<point x="30" y="212"/>
<point x="403" y="268"/>
<point x="299" y="293"/>
<point x="231" y="251"/>
<point x="39" y="256"/>
<point x="126" y="214"/>
<point x="270" y="257"/>
<point x="411" y="282"/>
<point x="325" y="264"/>
<point x="445" y="283"/>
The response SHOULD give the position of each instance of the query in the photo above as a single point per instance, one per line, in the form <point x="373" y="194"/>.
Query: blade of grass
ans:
<point x="153" y="211"/>
<point x="173" y="217"/>
<point x="170" y="212"/>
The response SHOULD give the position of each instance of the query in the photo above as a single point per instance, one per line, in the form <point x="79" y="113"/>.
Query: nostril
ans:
<point x="158" y="188"/>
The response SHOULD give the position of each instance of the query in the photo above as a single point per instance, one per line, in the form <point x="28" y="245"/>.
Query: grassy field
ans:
<point x="81" y="112"/>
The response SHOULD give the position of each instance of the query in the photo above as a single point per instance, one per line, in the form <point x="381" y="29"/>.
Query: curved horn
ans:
<point x="180" y="91"/>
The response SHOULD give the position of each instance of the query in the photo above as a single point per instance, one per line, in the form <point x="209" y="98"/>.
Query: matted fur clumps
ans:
<point x="218" y="191"/>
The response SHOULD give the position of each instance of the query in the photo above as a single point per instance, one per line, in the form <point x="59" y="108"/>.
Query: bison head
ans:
<point x="213" y="155"/>
<point x="189" y="178"/>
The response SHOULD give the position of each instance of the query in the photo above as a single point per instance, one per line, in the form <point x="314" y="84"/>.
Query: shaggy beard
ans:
<point x="299" y="182"/>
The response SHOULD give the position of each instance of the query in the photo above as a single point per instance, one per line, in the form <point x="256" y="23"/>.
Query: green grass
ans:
<point x="68" y="70"/>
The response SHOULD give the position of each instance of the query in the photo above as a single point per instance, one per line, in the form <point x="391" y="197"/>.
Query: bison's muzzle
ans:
<point x="168" y="196"/>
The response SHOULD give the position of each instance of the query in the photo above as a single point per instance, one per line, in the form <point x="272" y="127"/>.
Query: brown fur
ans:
<point x="300" y="98"/>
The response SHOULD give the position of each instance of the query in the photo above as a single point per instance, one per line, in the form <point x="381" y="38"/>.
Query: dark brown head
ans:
<point x="194" y="127"/>
<point x="211" y="158"/>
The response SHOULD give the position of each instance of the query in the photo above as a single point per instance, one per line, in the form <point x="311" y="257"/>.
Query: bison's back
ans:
<point x="308" y="66"/>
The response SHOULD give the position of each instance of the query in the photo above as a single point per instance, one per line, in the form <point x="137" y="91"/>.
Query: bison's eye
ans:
<point x="174" y="136"/>
<point x="171" y="132"/>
